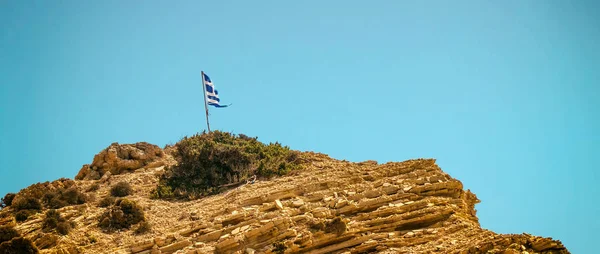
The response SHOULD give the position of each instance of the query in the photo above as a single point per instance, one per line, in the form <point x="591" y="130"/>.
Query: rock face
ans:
<point x="118" y="159"/>
<point x="329" y="206"/>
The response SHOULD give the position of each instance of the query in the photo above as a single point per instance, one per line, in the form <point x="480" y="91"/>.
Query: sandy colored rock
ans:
<point x="278" y="204"/>
<point x="119" y="159"/>
<point x="327" y="206"/>
<point x="175" y="246"/>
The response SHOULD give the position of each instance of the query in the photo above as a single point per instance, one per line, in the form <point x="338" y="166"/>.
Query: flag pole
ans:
<point x="205" y="103"/>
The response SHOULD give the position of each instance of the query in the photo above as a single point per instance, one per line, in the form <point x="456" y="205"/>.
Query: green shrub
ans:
<point x="7" y="199"/>
<point x="23" y="215"/>
<point x="121" y="189"/>
<point x="162" y="191"/>
<point x="54" y="195"/>
<point x="26" y="203"/>
<point x="106" y="201"/>
<point x="276" y="160"/>
<point x="51" y="220"/>
<point x="73" y="196"/>
<point x="143" y="227"/>
<point x="64" y="197"/>
<point x="8" y="232"/>
<point x="121" y="215"/>
<point x="54" y="221"/>
<point x="63" y="228"/>
<point x="52" y="200"/>
<point x="208" y="162"/>
<point x="18" y="245"/>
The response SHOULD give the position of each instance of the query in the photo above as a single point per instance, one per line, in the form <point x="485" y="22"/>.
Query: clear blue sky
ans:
<point x="505" y="94"/>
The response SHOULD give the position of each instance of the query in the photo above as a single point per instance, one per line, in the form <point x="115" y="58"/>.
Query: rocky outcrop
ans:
<point x="335" y="207"/>
<point x="328" y="206"/>
<point x="118" y="159"/>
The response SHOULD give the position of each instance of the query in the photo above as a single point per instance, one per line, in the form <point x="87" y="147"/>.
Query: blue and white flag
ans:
<point x="212" y="95"/>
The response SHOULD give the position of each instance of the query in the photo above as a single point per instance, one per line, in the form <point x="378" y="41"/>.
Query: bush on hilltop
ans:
<point x="209" y="161"/>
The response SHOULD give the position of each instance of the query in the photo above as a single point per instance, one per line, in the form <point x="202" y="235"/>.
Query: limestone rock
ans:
<point x="278" y="204"/>
<point x="327" y="206"/>
<point x="119" y="159"/>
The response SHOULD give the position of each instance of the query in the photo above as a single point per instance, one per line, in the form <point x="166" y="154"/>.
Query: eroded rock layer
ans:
<point x="328" y="206"/>
<point x="118" y="159"/>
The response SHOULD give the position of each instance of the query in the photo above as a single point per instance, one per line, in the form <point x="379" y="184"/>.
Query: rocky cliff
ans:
<point x="327" y="206"/>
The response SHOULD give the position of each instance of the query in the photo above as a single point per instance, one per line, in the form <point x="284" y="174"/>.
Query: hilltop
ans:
<point x="222" y="193"/>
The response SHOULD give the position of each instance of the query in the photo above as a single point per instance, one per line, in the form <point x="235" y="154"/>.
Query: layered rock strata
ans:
<point x="118" y="159"/>
<point x="329" y="206"/>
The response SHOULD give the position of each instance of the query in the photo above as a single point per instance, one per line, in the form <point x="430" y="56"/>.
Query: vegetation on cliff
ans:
<point x="54" y="221"/>
<point x="53" y="195"/>
<point x="210" y="161"/>
<point x="121" y="215"/>
<point x="12" y="242"/>
<point x="328" y="206"/>
<point x="121" y="189"/>
<point x="47" y="195"/>
<point x="7" y="233"/>
<point x="7" y="200"/>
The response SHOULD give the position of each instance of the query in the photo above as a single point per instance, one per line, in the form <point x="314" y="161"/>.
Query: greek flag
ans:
<point x="212" y="95"/>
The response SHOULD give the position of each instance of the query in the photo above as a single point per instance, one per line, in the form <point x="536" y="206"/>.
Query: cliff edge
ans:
<point x="323" y="206"/>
